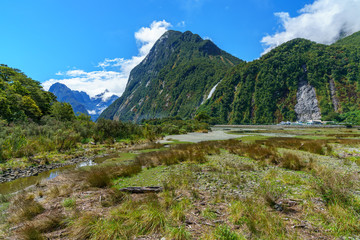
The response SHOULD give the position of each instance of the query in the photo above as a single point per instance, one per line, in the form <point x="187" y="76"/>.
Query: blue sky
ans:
<point x="71" y="39"/>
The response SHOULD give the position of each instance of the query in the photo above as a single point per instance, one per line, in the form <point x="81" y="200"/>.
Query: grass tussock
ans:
<point x="30" y="232"/>
<point x="292" y="162"/>
<point x="69" y="203"/>
<point x="179" y="233"/>
<point x="130" y="219"/>
<point x="51" y="222"/>
<point x="258" y="221"/>
<point x="224" y="232"/>
<point x="101" y="176"/>
<point x="24" y="207"/>
<point x="335" y="186"/>
<point x="113" y="197"/>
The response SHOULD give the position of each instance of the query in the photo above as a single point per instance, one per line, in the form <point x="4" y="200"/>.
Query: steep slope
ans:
<point x="80" y="101"/>
<point x="174" y="79"/>
<point x="22" y="97"/>
<point x="299" y="80"/>
<point x="349" y="41"/>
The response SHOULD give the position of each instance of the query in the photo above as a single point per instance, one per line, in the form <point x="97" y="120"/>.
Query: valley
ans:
<point x="267" y="182"/>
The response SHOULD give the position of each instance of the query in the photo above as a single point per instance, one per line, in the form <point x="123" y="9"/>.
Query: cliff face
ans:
<point x="173" y="79"/>
<point x="307" y="107"/>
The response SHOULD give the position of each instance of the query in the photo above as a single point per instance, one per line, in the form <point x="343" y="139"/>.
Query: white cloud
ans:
<point x="323" y="21"/>
<point x="95" y="82"/>
<point x="181" y="24"/>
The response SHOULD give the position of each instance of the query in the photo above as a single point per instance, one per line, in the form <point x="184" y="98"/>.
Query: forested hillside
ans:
<point x="265" y="90"/>
<point x="173" y="80"/>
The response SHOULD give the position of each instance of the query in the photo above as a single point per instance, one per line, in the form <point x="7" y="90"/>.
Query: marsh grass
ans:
<point x="292" y="161"/>
<point x="69" y="203"/>
<point x="335" y="186"/>
<point x="259" y="221"/>
<point x="30" y="232"/>
<point x="51" y="222"/>
<point x="317" y="146"/>
<point x="24" y="207"/>
<point x="179" y="233"/>
<point x="132" y="218"/>
<point x="101" y="176"/>
<point x="223" y="232"/>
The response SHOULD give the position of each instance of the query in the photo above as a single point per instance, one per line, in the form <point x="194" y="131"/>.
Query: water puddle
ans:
<point x="22" y="183"/>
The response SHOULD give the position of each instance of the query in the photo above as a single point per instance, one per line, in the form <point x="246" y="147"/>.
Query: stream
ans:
<point x="25" y="182"/>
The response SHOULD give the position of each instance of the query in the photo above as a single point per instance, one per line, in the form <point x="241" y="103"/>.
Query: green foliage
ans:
<point x="62" y="111"/>
<point x="69" y="203"/>
<point x="21" y="97"/>
<point x="264" y="91"/>
<point x="175" y="125"/>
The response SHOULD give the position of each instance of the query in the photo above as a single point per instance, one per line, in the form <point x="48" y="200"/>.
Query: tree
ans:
<point x="62" y="111"/>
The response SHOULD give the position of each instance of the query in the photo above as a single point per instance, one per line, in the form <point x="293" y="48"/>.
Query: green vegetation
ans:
<point x="21" y="97"/>
<point x="175" y="78"/>
<point x="266" y="88"/>
<point x="275" y="188"/>
<point x="259" y="92"/>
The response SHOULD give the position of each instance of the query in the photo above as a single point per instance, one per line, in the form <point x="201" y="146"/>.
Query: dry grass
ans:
<point x="29" y="232"/>
<point x="317" y="146"/>
<point x="24" y="207"/>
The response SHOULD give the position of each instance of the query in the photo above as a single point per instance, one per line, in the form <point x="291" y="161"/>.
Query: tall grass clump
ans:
<point x="130" y="219"/>
<point x="223" y="232"/>
<point x="292" y="162"/>
<point x="24" y="207"/>
<point x="335" y="186"/>
<point x="258" y="220"/>
<point x="179" y="233"/>
<point x="30" y="232"/>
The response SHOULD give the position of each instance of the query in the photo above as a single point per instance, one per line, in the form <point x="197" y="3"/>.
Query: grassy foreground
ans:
<point x="301" y="187"/>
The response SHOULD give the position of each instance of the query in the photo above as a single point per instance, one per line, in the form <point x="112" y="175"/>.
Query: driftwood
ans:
<point x="141" y="189"/>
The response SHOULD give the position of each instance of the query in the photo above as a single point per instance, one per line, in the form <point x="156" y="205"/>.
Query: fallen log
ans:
<point x="141" y="189"/>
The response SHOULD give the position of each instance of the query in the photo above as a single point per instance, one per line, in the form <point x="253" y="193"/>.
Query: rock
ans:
<point x="307" y="107"/>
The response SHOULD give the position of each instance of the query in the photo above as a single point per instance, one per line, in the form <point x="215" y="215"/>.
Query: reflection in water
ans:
<point x="53" y="174"/>
<point x="22" y="183"/>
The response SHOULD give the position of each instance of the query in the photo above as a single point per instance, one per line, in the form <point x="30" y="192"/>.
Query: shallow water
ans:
<point x="22" y="183"/>
<point x="199" y="137"/>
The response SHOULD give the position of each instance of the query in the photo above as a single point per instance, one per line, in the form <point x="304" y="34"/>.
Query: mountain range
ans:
<point x="81" y="101"/>
<point x="184" y="75"/>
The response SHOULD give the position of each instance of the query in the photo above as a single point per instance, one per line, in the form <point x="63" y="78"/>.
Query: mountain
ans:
<point x="22" y="97"/>
<point x="299" y="80"/>
<point x="81" y="101"/>
<point x="350" y="41"/>
<point x="176" y="76"/>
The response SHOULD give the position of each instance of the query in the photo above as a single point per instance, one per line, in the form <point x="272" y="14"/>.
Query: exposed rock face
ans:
<point x="307" y="107"/>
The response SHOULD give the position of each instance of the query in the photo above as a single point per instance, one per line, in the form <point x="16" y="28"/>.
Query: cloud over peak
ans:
<point x="323" y="21"/>
<point x="115" y="80"/>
